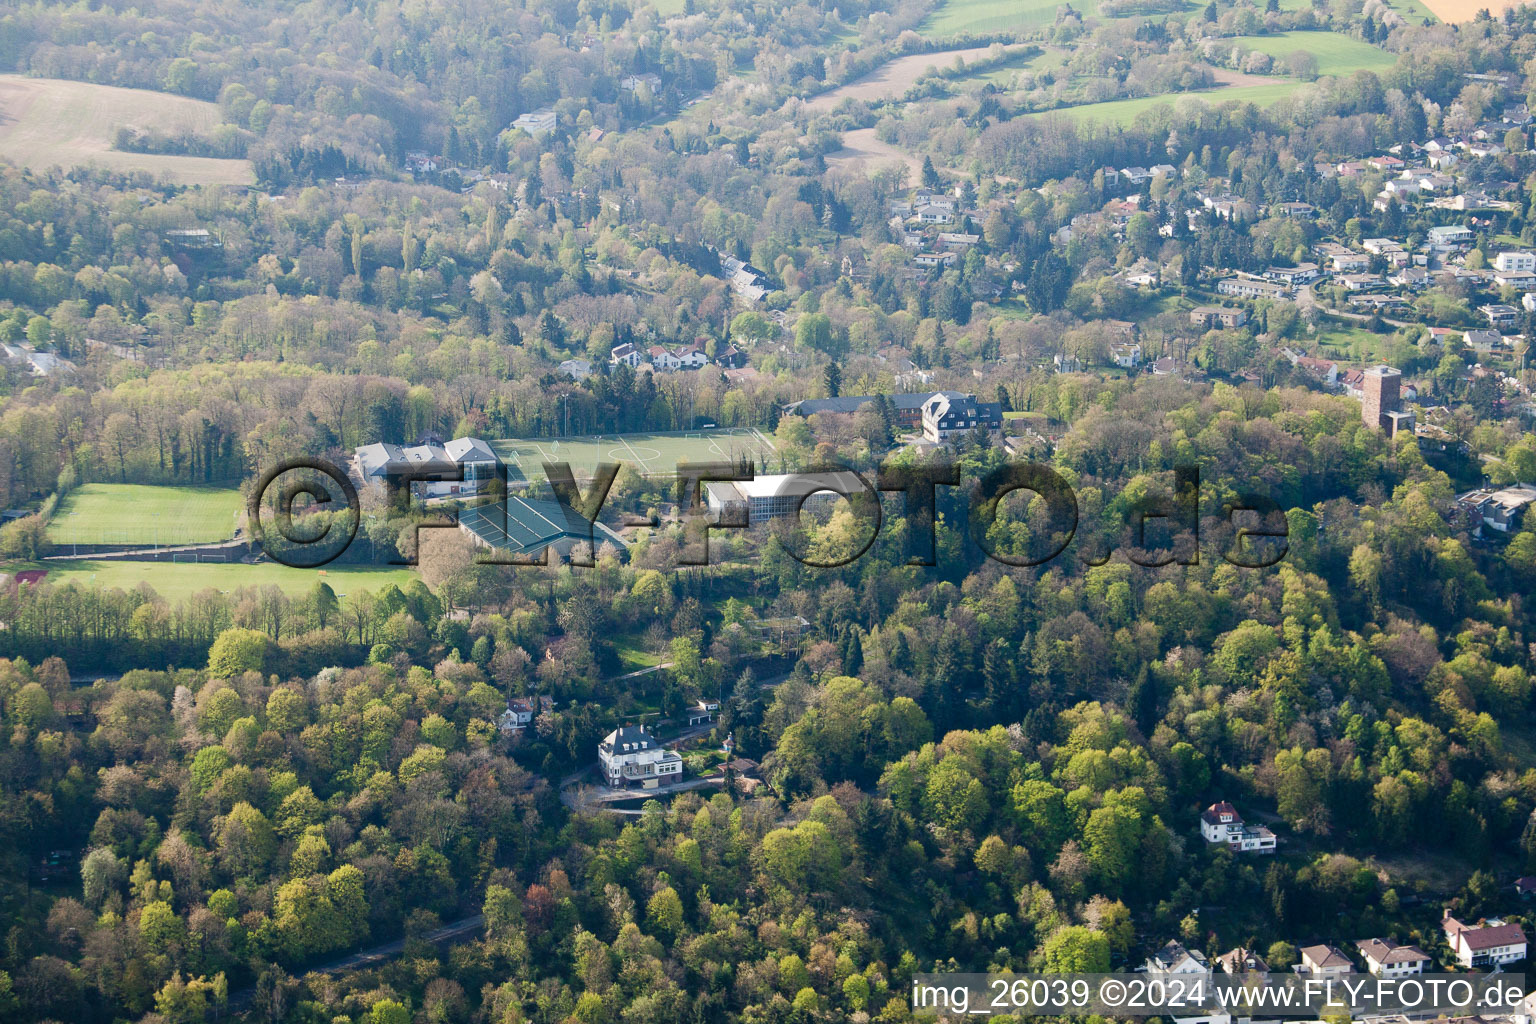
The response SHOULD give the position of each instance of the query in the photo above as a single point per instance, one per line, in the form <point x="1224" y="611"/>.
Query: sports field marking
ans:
<point x="644" y="467"/>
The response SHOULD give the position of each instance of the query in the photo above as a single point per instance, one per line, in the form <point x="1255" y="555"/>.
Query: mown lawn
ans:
<point x="1127" y="111"/>
<point x="177" y="581"/>
<point x="143" y="514"/>
<point x="958" y="17"/>
<point x="1335" y="54"/>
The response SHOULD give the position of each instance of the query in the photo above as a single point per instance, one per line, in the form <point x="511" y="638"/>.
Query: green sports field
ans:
<point x="650" y="454"/>
<point x="1335" y="54"/>
<point x="142" y="514"/>
<point x="177" y="581"/>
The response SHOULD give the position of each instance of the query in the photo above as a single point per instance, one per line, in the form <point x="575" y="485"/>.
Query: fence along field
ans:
<point x="144" y="514"/>
<point x="47" y="122"/>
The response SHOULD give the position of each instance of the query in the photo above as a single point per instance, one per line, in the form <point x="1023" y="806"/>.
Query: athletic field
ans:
<point x="143" y="514"/>
<point x="178" y="581"/>
<point x="650" y="454"/>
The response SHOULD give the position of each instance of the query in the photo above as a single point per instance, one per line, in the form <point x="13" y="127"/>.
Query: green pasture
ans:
<point x="1336" y="54"/>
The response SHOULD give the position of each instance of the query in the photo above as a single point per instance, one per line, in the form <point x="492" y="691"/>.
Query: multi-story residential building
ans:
<point x="1499" y="315"/>
<point x="1515" y="261"/>
<point x="1292" y="277"/>
<point x="536" y="122"/>
<point x="945" y="416"/>
<point x="1386" y="959"/>
<point x="1218" y="316"/>
<point x="1251" y="288"/>
<point x="631" y="756"/>
<point x="1485" y="944"/>
<point x="1450" y="236"/>
<point x="1501" y="510"/>
<point x="1220" y="824"/>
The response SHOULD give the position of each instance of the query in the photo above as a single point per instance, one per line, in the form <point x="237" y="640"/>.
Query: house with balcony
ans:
<point x="1220" y="824"/>
<point x="1488" y="943"/>
<point x="631" y="756"/>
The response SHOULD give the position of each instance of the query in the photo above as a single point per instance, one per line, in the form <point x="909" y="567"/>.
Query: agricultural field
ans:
<point x="960" y="17"/>
<point x="178" y="581"/>
<point x="47" y="122"/>
<point x="1335" y="54"/>
<point x="895" y="77"/>
<point x="649" y="454"/>
<point x="143" y="514"/>
<point x="862" y="148"/>
<point x="1453" y="11"/>
<point x="1003" y="74"/>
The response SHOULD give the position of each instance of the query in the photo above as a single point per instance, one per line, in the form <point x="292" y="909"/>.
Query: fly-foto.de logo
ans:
<point x="305" y="513"/>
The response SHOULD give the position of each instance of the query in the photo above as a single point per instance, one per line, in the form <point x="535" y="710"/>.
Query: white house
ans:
<point x="1386" y="959"/>
<point x="1515" y="261"/>
<point x="1291" y="277"/>
<point x="632" y="83"/>
<point x="1324" y="959"/>
<point x="576" y="369"/>
<point x="1485" y="944"/>
<point x="630" y="755"/>
<point x="946" y="414"/>
<point x="1220" y="823"/>
<point x="626" y="353"/>
<point x="663" y="359"/>
<point x="1449" y="236"/>
<point x="934" y="259"/>
<point x="691" y="358"/>
<point x="1175" y="959"/>
<point x="957" y="241"/>
<point x="520" y="713"/>
<point x="703" y="711"/>
<point x="1500" y="315"/>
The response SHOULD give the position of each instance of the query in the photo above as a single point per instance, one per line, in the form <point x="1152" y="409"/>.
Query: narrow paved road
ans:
<point x="370" y="957"/>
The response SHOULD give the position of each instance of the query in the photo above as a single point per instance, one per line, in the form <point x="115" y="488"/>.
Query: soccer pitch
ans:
<point x="179" y="581"/>
<point x="143" y="514"/>
<point x="649" y="454"/>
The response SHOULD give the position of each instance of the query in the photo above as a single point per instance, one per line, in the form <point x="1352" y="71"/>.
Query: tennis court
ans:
<point x="650" y="454"/>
